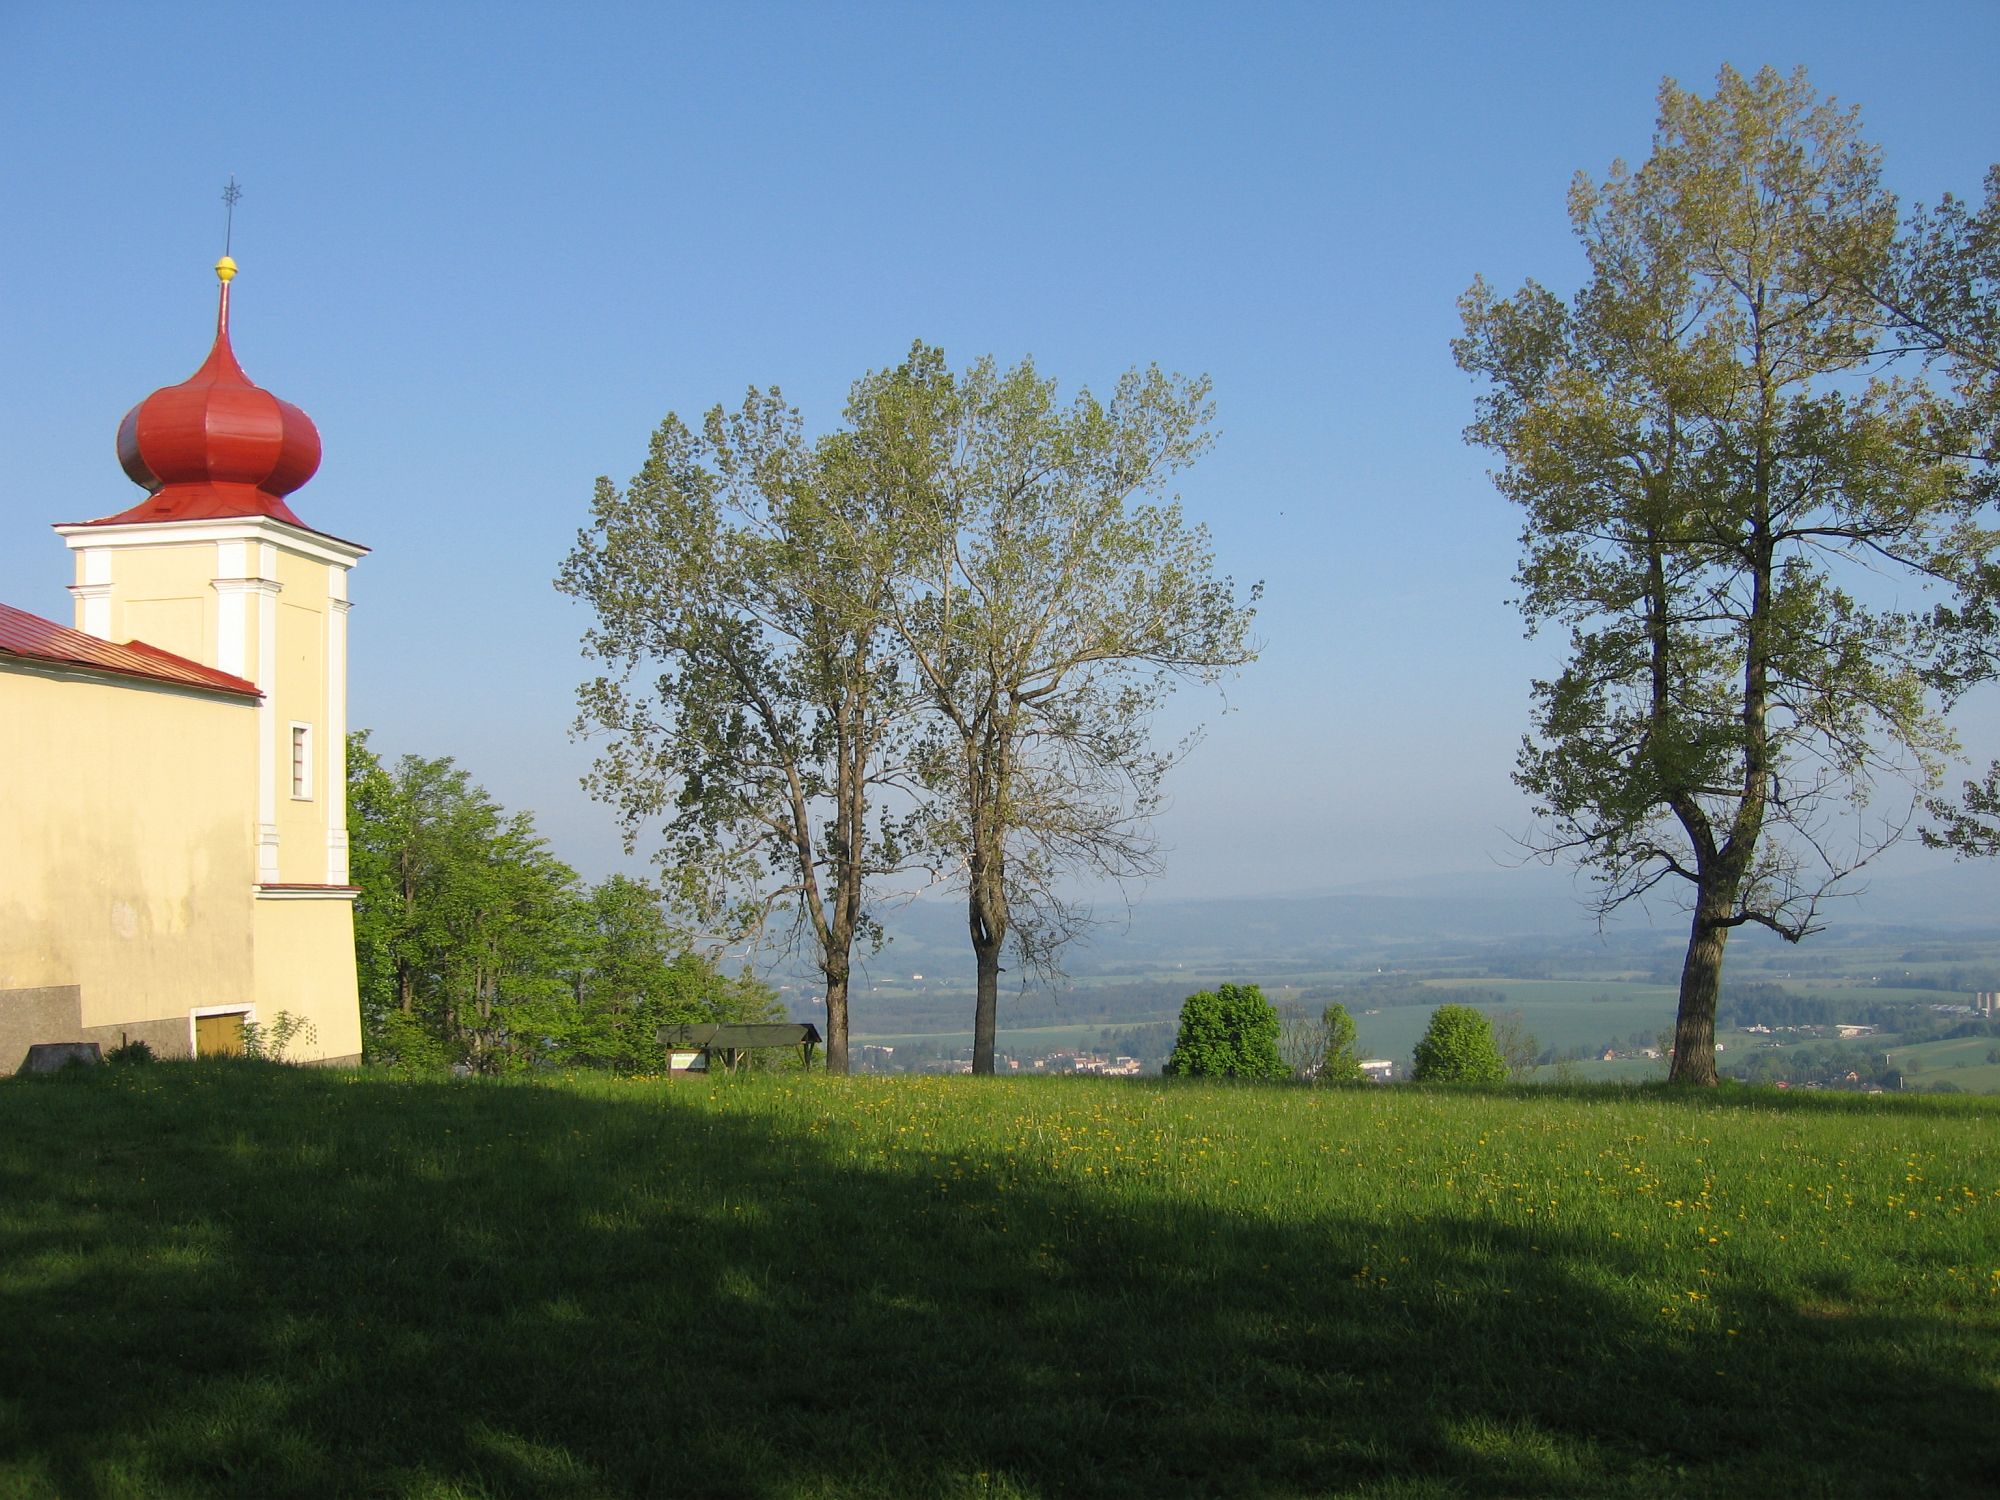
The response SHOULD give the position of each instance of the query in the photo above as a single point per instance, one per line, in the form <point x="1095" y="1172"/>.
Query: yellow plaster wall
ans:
<point x="127" y="814"/>
<point x="126" y="817"/>
<point x="305" y="965"/>
<point x="189" y="592"/>
<point x="164" y="596"/>
<point x="298" y="695"/>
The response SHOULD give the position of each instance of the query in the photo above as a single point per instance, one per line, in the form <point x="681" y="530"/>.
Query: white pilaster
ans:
<point x="247" y="613"/>
<point x="233" y="622"/>
<point x="93" y="608"/>
<point x="232" y="558"/>
<point x="269" y="734"/>
<point x="92" y="592"/>
<point x="335" y="739"/>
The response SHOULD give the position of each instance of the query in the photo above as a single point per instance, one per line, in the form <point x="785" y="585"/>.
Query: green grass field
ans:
<point x="1560" y="1013"/>
<point x="241" y="1279"/>
<point x="1960" y="1060"/>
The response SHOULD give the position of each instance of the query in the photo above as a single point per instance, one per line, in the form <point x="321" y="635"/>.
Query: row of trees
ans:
<point x="928" y="644"/>
<point x="1232" y="1031"/>
<point x="1764" y="425"/>
<point x="477" y="948"/>
<point x="923" y="647"/>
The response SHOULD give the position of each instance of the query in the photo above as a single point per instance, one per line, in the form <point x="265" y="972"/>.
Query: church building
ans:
<point x="173" y="799"/>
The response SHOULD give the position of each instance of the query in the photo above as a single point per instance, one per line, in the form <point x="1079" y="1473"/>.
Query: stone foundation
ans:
<point x="54" y="1013"/>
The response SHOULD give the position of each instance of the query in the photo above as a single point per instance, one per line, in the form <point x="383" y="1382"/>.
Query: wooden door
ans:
<point x="218" y="1036"/>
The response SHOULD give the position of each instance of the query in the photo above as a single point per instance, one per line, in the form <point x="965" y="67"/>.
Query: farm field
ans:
<point x="241" y="1279"/>
<point x="1025" y="1040"/>
<point x="1560" y="1013"/>
<point x="1620" y="1070"/>
<point x="1858" y="995"/>
<point x="1964" y="1061"/>
<point x="1569" y="1015"/>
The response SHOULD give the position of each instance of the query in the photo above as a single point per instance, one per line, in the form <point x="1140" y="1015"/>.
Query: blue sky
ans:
<point x="488" y="248"/>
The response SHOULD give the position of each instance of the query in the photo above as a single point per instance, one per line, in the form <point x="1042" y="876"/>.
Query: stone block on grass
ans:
<point x="48" y="1057"/>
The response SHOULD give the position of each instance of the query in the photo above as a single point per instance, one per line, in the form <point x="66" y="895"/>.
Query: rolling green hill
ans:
<point x="238" y="1279"/>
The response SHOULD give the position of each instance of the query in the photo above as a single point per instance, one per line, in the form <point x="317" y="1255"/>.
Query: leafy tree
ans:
<point x="1053" y="596"/>
<point x="740" y="585"/>
<point x="410" y="827"/>
<point x="1339" y="1064"/>
<point x="1941" y="295"/>
<point x="636" y="974"/>
<point x="1230" y="1031"/>
<point x="462" y="926"/>
<point x="477" y="948"/>
<point x="1706" y="456"/>
<point x="1458" y="1047"/>
<point x="1320" y="1048"/>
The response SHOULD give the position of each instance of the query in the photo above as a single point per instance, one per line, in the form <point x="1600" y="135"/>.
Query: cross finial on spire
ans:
<point x="230" y="195"/>
<point x="225" y="269"/>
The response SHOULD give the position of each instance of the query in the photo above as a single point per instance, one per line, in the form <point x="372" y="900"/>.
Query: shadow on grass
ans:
<point x="266" y="1282"/>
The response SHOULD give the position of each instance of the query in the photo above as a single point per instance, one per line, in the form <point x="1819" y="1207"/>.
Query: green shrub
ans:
<point x="1228" y="1032"/>
<point x="273" y="1040"/>
<point x="1340" y="1064"/>
<point x="130" y="1053"/>
<point x="1458" y="1048"/>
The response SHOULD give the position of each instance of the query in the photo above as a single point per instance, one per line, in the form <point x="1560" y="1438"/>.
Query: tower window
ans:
<point x="302" y="778"/>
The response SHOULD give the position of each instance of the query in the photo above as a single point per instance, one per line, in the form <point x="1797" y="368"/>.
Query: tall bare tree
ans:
<point x="1053" y="595"/>
<point x="756" y="715"/>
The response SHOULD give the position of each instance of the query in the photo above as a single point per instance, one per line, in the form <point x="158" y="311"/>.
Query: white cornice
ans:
<point x="270" y="892"/>
<point x="301" y="540"/>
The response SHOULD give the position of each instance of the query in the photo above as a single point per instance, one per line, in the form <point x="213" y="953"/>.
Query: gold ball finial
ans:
<point x="225" y="270"/>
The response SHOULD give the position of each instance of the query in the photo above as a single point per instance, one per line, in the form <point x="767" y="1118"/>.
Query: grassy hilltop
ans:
<point x="237" y="1279"/>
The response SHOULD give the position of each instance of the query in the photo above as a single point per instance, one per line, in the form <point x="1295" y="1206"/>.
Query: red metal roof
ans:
<point x="32" y="638"/>
<point x="217" y="444"/>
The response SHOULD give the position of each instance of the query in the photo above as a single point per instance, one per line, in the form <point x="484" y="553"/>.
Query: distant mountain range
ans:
<point x="1549" y="907"/>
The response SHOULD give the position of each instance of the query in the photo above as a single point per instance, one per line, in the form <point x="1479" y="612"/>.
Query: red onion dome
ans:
<point x="216" y="445"/>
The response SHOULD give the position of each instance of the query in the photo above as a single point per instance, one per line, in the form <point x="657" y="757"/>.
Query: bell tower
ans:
<point x="214" y="565"/>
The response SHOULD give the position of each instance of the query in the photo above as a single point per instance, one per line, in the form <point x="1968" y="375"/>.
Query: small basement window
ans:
<point x="302" y="779"/>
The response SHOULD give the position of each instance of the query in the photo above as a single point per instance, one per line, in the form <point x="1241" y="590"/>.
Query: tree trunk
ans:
<point x="986" y="1008"/>
<point x="836" y="1021"/>
<point x="986" y="916"/>
<point x="1701" y="988"/>
<point x="986" y="892"/>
